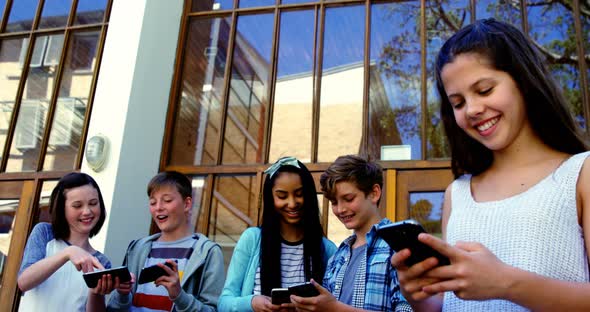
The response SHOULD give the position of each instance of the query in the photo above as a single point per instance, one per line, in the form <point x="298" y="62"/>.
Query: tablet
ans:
<point x="92" y="278"/>
<point x="152" y="273"/>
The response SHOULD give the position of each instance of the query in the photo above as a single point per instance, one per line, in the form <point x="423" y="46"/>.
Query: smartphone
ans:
<point x="404" y="234"/>
<point x="280" y="295"/>
<point x="152" y="273"/>
<point x="92" y="278"/>
<point x="304" y="290"/>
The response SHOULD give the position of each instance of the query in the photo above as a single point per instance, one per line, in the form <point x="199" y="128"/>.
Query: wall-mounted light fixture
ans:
<point x="97" y="149"/>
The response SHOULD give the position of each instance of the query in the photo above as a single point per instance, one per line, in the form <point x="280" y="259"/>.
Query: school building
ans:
<point x="218" y="89"/>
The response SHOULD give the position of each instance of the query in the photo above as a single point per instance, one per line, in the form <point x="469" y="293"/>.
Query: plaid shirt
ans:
<point x="376" y="286"/>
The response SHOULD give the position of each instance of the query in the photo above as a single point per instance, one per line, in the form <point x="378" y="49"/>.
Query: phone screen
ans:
<point x="404" y="234"/>
<point x="280" y="295"/>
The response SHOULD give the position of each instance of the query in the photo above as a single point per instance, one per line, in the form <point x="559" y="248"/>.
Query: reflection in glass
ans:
<point x="507" y="11"/>
<point x="426" y="208"/>
<point x="395" y="77"/>
<point x="341" y="100"/>
<point x="44" y="198"/>
<point x="234" y="208"/>
<point x="21" y="15"/>
<point x="9" y="199"/>
<point x="198" y="185"/>
<point x="55" y="13"/>
<point x="442" y="21"/>
<point x="195" y="139"/>
<point x="212" y="5"/>
<point x="551" y="26"/>
<point x="90" y="11"/>
<point x="30" y="124"/>
<point x="247" y="103"/>
<point x="336" y="231"/>
<point x="297" y="1"/>
<point x="11" y="57"/>
<point x="255" y="3"/>
<point x="292" y="110"/>
<point x="74" y="90"/>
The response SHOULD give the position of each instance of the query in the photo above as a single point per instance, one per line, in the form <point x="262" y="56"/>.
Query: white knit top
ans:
<point x="536" y="230"/>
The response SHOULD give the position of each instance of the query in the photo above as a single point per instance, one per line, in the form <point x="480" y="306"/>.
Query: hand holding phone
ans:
<point x="404" y="234"/>
<point x="151" y="273"/>
<point x="281" y="295"/>
<point x="92" y="278"/>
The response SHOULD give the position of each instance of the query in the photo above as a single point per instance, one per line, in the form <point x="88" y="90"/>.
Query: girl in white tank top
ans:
<point x="516" y="221"/>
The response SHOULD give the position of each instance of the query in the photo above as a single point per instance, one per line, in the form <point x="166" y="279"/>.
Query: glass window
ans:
<point x="506" y="11"/>
<point x="551" y="26"/>
<point x="395" y="80"/>
<point x="255" y="3"/>
<point x="426" y="208"/>
<point x="30" y="124"/>
<point x="55" y="13"/>
<point x="234" y="208"/>
<point x="247" y="103"/>
<point x="10" y="193"/>
<point x="10" y="74"/>
<point x="21" y="15"/>
<point x="341" y="99"/>
<point x="292" y="109"/>
<point x="72" y="101"/>
<point x="195" y="139"/>
<point x="212" y="5"/>
<point x="90" y="11"/>
<point x="442" y="21"/>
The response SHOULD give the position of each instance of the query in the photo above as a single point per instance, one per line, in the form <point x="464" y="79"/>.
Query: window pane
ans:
<point x="551" y="26"/>
<point x="426" y="208"/>
<point x="292" y="110"/>
<point x="341" y="100"/>
<point x="30" y="124"/>
<point x="44" y="209"/>
<point x="255" y="3"/>
<point x="21" y="15"/>
<point x="72" y="101"/>
<point x="395" y="78"/>
<point x="234" y="208"/>
<point x="195" y="139"/>
<point x="11" y="56"/>
<point x="90" y="11"/>
<point x="55" y="13"/>
<point x="212" y="5"/>
<point x="442" y="21"/>
<point x="297" y="1"/>
<point x="246" y="111"/>
<point x="9" y="199"/>
<point x="507" y="11"/>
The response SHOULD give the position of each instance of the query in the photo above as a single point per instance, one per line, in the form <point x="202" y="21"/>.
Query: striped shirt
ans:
<point x="375" y="286"/>
<point x="149" y="297"/>
<point x="292" y="269"/>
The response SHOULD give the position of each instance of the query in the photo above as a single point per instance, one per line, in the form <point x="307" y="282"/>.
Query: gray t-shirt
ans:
<point x="37" y="243"/>
<point x="349" y="275"/>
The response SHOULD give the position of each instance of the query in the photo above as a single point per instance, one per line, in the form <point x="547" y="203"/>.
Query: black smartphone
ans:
<point x="152" y="273"/>
<point x="92" y="278"/>
<point x="280" y="295"/>
<point x="304" y="290"/>
<point x="404" y="234"/>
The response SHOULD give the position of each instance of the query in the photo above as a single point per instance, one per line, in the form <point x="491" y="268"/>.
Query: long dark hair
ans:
<point x="508" y="50"/>
<point x="270" y="245"/>
<point x="59" y="224"/>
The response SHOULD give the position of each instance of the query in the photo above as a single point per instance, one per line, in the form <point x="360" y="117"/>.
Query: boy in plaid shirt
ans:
<point x="353" y="185"/>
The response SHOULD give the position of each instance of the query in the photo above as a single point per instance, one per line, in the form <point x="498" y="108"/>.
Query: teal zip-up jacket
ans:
<point x="201" y="283"/>
<point x="238" y="291"/>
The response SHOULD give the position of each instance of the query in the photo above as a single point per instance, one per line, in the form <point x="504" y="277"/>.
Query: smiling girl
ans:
<point x="57" y="254"/>
<point x="516" y="221"/>
<point x="289" y="247"/>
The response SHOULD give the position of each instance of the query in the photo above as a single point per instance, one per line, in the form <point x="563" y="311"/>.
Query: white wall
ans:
<point x="130" y="108"/>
